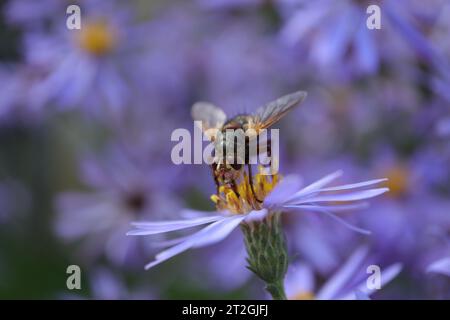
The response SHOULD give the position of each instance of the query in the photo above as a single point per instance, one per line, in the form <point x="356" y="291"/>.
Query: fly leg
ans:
<point x="250" y="181"/>
<point x="216" y="179"/>
<point x="268" y="151"/>
<point x="234" y="187"/>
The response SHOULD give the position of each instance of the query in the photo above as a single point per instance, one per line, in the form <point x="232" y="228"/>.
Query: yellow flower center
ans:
<point x="398" y="180"/>
<point x="245" y="200"/>
<point x="303" y="295"/>
<point x="97" y="38"/>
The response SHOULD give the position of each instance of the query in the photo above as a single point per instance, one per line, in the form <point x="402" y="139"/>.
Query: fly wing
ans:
<point x="212" y="117"/>
<point x="272" y="112"/>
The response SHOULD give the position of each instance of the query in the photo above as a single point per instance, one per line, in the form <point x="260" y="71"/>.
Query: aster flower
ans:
<point x="412" y="222"/>
<point x="438" y="272"/>
<point x="334" y="37"/>
<point x="89" y="67"/>
<point x="120" y="189"/>
<point x="410" y="231"/>
<point x="319" y="241"/>
<point x="405" y="22"/>
<point x="440" y="266"/>
<point x="245" y="210"/>
<point x="347" y="283"/>
<point x="441" y="48"/>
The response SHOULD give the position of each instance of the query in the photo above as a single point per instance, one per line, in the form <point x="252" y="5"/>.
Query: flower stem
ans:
<point x="276" y="290"/>
<point x="267" y="252"/>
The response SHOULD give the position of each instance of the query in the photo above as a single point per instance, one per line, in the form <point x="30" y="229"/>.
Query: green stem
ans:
<point x="276" y="290"/>
<point x="267" y="253"/>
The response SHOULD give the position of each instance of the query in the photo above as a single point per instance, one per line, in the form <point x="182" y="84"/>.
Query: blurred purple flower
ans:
<point x="411" y="223"/>
<point x="346" y="284"/>
<point x="123" y="190"/>
<point x="408" y="18"/>
<point x="439" y="37"/>
<point x="410" y="231"/>
<point x="438" y="272"/>
<point x="87" y="67"/>
<point x="441" y="266"/>
<point x="16" y="105"/>
<point x="335" y="37"/>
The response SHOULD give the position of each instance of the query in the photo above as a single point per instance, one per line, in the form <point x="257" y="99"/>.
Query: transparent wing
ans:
<point x="211" y="116"/>
<point x="275" y="110"/>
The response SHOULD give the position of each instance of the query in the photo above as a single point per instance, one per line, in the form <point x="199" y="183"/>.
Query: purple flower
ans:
<point x="441" y="49"/>
<point x="441" y="266"/>
<point x="89" y="67"/>
<point x="411" y="231"/>
<point x="410" y="225"/>
<point x="122" y="190"/>
<point x="16" y="104"/>
<point x="286" y="196"/>
<point x="345" y="284"/>
<point x="406" y="22"/>
<point x="438" y="272"/>
<point x="329" y="29"/>
<point x="333" y="35"/>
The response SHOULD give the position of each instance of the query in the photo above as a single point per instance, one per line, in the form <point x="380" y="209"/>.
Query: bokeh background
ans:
<point x="86" y="117"/>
